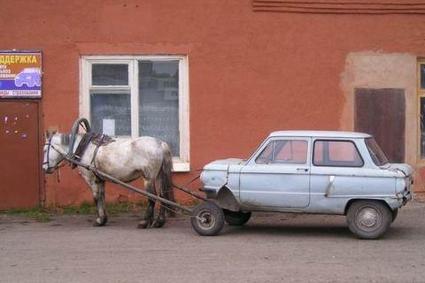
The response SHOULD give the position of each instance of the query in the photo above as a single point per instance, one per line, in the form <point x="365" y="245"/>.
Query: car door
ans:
<point x="341" y="170"/>
<point x="337" y="172"/>
<point x="278" y="176"/>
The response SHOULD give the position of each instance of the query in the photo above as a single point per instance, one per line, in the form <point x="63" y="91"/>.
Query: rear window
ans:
<point x="336" y="153"/>
<point x="378" y="156"/>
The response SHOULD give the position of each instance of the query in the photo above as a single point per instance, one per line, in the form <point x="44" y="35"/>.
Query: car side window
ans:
<point x="336" y="153"/>
<point x="284" y="152"/>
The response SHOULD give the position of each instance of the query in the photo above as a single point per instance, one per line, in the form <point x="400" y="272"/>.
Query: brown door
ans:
<point x="19" y="154"/>
<point x="381" y="112"/>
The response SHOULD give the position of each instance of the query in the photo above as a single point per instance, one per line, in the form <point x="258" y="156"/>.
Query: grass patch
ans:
<point x="85" y="208"/>
<point x="111" y="208"/>
<point x="38" y="214"/>
<point x="44" y="214"/>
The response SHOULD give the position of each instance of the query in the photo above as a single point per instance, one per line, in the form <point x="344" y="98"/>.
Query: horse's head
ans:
<point x="54" y="149"/>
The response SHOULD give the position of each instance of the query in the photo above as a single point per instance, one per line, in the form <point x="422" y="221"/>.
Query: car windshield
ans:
<point x="378" y="156"/>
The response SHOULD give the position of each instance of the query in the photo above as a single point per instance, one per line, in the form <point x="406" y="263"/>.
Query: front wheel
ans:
<point x="207" y="219"/>
<point x="236" y="218"/>
<point x="368" y="219"/>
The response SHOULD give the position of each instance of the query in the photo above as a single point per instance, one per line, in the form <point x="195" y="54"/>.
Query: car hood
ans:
<point x="404" y="168"/>
<point x="223" y="164"/>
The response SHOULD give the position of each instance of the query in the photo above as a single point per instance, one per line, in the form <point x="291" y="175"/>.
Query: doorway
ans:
<point x="20" y="165"/>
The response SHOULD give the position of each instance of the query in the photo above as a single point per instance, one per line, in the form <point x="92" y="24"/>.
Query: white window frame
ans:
<point x="180" y="163"/>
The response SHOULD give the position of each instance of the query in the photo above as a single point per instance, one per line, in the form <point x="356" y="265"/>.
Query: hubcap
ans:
<point x="368" y="218"/>
<point x="206" y="220"/>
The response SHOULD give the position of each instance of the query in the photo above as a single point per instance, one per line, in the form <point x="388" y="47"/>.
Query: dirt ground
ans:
<point x="270" y="248"/>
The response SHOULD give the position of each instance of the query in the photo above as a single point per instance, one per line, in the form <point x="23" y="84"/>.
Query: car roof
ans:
<point x="320" y="134"/>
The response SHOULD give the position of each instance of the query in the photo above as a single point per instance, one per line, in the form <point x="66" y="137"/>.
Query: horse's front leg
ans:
<point x="149" y="214"/>
<point x="98" y="190"/>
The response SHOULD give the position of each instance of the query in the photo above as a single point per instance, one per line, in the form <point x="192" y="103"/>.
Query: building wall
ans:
<point x="249" y="72"/>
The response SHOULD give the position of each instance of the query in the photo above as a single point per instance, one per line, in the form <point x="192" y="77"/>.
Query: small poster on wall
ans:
<point x="20" y="74"/>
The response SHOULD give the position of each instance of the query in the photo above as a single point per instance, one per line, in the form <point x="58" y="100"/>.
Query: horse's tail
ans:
<point x="165" y="177"/>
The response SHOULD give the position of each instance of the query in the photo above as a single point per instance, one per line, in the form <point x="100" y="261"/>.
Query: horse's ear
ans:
<point x="50" y="132"/>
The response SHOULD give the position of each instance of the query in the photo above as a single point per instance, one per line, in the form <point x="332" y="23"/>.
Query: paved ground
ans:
<point x="271" y="248"/>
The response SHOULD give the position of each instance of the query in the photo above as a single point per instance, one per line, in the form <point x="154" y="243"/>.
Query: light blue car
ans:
<point x="29" y="76"/>
<point x="323" y="172"/>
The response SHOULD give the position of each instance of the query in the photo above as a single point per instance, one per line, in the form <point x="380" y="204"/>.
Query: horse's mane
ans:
<point x="65" y="139"/>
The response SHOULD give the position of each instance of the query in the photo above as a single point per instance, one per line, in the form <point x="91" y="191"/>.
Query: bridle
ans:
<point x="51" y="146"/>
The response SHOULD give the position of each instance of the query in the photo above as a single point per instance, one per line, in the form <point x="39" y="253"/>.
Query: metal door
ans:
<point x="282" y="184"/>
<point x="20" y="154"/>
<point x="381" y="113"/>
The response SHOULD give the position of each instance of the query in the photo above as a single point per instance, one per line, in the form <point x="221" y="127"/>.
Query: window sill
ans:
<point x="180" y="166"/>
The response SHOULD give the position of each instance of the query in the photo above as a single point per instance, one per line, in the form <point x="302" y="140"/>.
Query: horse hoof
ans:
<point x="100" y="222"/>
<point x="158" y="223"/>
<point x="143" y="224"/>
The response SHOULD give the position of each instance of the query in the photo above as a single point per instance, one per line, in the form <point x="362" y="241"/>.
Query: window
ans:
<point x="336" y="153"/>
<point x="378" y="156"/>
<point x="134" y="96"/>
<point x="421" y="97"/>
<point x="284" y="151"/>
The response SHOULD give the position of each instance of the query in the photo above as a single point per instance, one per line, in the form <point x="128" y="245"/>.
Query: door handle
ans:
<point x="302" y="169"/>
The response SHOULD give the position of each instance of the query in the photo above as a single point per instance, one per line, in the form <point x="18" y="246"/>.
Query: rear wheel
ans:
<point x="236" y="218"/>
<point x="368" y="219"/>
<point x="207" y="219"/>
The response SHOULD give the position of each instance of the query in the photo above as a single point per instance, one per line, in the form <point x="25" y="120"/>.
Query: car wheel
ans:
<point x="236" y="218"/>
<point x="395" y="213"/>
<point x="207" y="219"/>
<point x="368" y="219"/>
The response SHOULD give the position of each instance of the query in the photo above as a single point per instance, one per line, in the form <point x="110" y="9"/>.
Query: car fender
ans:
<point x="226" y="200"/>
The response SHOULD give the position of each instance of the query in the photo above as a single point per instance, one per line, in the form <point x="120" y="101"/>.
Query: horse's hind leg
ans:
<point x="160" y="219"/>
<point x="98" y="189"/>
<point x="149" y="214"/>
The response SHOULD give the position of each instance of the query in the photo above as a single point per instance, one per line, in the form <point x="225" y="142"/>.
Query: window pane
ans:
<point x="378" y="156"/>
<point x="336" y="153"/>
<point x="110" y="113"/>
<point x="266" y="155"/>
<point x="159" y="102"/>
<point x="291" y="151"/>
<point x="284" y="151"/>
<point x="109" y="74"/>
<point x="423" y="76"/>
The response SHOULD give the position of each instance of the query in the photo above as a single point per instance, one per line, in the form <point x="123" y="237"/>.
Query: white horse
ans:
<point x="123" y="158"/>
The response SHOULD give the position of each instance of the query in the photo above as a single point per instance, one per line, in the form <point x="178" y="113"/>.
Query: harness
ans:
<point x="49" y="145"/>
<point x="96" y="139"/>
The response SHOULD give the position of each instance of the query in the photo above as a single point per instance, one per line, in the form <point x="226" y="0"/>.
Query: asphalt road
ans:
<point x="270" y="248"/>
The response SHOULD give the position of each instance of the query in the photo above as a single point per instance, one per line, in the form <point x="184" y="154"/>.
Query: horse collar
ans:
<point x="97" y="139"/>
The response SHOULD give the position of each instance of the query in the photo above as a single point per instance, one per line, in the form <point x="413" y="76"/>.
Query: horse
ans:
<point x="125" y="159"/>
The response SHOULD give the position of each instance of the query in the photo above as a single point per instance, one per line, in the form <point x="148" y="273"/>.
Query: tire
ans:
<point x="394" y="213"/>
<point x="207" y="219"/>
<point x="236" y="218"/>
<point x="368" y="219"/>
